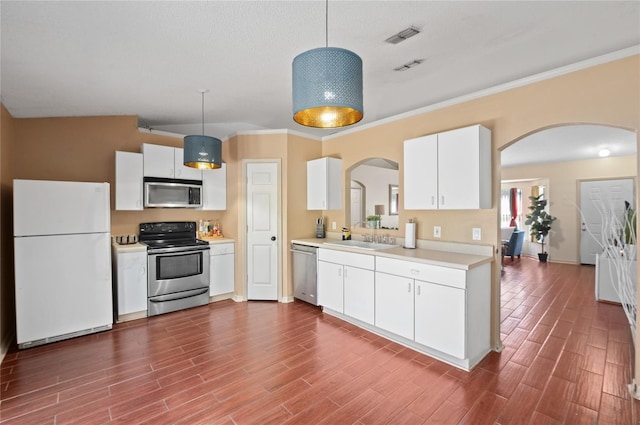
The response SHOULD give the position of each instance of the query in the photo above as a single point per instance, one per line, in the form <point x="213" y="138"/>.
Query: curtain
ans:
<point x="514" y="207"/>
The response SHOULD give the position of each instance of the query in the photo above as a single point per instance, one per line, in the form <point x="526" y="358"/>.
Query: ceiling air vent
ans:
<point x="409" y="65"/>
<point x="402" y="35"/>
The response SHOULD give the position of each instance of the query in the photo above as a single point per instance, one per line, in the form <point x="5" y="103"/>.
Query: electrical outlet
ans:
<point x="333" y="225"/>
<point x="476" y="233"/>
<point x="437" y="231"/>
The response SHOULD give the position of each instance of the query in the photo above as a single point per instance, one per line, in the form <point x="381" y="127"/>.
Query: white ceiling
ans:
<point x="569" y="143"/>
<point x="150" y="58"/>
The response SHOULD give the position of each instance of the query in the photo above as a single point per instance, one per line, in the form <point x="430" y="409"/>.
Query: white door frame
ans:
<point x="244" y="225"/>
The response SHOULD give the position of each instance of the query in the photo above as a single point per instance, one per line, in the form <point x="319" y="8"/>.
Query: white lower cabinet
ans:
<point x="131" y="282"/>
<point x="359" y="294"/>
<point x="222" y="275"/>
<point x="449" y="309"/>
<point x="331" y="286"/>
<point x="440" y="317"/>
<point x="441" y="311"/>
<point x="394" y="304"/>
<point x="346" y="283"/>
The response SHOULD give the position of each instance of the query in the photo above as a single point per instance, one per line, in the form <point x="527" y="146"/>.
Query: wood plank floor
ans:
<point x="567" y="360"/>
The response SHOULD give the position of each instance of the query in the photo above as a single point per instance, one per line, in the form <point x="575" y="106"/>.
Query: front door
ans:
<point x="600" y="201"/>
<point x="262" y="203"/>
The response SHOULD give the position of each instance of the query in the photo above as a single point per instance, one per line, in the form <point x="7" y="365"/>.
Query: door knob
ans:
<point x="273" y="238"/>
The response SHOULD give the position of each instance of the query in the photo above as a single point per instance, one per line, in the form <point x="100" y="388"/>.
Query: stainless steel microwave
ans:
<point x="172" y="193"/>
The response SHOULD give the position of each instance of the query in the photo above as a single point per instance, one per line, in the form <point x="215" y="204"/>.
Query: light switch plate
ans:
<point x="333" y="225"/>
<point x="437" y="231"/>
<point x="477" y="234"/>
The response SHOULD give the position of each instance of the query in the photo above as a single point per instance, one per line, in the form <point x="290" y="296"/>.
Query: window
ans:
<point x="506" y="208"/>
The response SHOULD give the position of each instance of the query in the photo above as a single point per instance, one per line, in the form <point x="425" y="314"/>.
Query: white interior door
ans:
<point x="262" y="230"/>
<point x="356" y="204"/>
<point x="599" y="201"/>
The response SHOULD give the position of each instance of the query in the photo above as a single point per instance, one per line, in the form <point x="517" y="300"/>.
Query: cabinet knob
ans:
<point x="409" y="287"/>
<point x="273" y="238"/>
<point x="418" y="289"/>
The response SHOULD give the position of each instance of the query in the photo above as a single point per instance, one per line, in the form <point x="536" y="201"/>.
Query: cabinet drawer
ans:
<point x="347" y="258"/>
<point x="425" y="272"/>
<point x="221" y="248"/>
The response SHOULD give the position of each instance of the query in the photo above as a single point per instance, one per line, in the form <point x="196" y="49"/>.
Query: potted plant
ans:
<point x="373" y="221"/>
<point x="540" y="221"/>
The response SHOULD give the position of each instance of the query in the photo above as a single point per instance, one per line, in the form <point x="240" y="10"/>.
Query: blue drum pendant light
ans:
<point x="327" y="86"/>
<point x="204" y="152"/>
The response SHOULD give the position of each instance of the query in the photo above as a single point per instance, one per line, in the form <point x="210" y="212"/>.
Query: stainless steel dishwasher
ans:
<point x="305" y="268"/>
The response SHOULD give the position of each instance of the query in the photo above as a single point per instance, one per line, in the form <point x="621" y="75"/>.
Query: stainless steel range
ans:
<point x="178" y="266"/>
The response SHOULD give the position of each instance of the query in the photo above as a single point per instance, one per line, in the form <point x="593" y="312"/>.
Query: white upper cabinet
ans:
<point x="167" y="162"/>
<point x="182" y="171"/>
<point x="324" y="184"/>
<point x="214" y="188"/>
<point x="449" y="170"/>
<point x="128" y="181"/>
<point x="158" y="161"/>
<point x="421" y="173"/>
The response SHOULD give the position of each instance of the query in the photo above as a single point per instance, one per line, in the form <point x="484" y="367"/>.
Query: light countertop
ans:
<point x="129" y="247"/>
<point x="213" y="241"/>
<point x="428" y="256"/>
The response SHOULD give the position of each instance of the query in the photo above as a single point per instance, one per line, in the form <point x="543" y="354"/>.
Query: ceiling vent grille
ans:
<point x="402" y="35"/>
<point x="409" y="65"/>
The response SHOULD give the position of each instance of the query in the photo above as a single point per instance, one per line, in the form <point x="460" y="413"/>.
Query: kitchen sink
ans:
<point x="372" y="246"/>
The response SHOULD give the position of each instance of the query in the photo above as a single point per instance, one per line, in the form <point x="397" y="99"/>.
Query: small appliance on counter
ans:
<point x="126" y="239"/>
<point x="320" y="228"/>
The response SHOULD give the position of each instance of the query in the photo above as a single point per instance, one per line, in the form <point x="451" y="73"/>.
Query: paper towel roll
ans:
<point x="410" y="235"/>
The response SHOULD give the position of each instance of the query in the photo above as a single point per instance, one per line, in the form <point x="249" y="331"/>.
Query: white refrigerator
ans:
<point x="62" y="250"/>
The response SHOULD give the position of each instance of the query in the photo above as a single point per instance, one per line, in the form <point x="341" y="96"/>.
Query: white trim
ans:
<point x="151" y="130"/>
<point x="275" y="131"/>
<point x="588" y="63"/>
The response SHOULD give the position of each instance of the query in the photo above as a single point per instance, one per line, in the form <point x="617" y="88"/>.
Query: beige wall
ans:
<point x="563" y="192"/>
<point x="83" y="149"/>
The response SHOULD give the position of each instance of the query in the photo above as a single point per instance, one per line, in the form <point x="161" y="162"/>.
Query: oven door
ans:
<point x="177" y="271"/>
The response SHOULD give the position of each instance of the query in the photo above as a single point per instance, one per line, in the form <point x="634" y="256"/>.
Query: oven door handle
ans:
<point x="178" y="295"/>
<point x="176" y="250"/>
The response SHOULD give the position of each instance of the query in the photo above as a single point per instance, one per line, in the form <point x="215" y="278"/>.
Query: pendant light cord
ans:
<point x="326" y="23"/>
<point x="203" y="113"/>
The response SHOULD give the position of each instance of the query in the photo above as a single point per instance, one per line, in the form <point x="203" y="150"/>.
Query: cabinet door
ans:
<point x="421" y="173"/>
<point x="324" y="184"/>
<point x="158" y="161"/>
<point x="222" y="275"/>
<point x="214" y="188"/>
<point x="394" y="304"/>
<point x="359" y="294"/>
<point x="132" y="282"/>
<point x="440" y="318"/>
<point x="128" y="181"/>
<point x="464" y="162"/>
<point x="181" y="171"/>
<point x="331" y="286"/>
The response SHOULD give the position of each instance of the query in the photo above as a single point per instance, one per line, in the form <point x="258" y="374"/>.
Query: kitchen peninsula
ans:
<point x="435" y="301"/>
